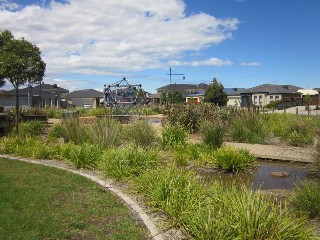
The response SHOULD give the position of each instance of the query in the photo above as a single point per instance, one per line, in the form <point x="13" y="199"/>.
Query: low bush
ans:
<point x="105" y="133"/>
<point x="83" y="156"/>
<point x="129" y="161"/>
<point x="248" y="128"/>
<point x="306" y="198"/>
<point x="315" y="167"/>
<point x="141" y="133"/>
<point x="173" y="135"/>
<point x="219" y="212"/>
<point x="212" y="134"/>
<point x="74" y="131"/>
<point x="55" y="132"/>
<point x="297" y="130"/>
<point x="31" y="128"/>
<point x="233" y="160"/>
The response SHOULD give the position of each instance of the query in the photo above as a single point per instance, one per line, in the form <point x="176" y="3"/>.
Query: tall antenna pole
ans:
<point x="170" y="73"/>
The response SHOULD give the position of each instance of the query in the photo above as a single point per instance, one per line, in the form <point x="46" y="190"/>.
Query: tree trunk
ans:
<point x="17" y="111"/>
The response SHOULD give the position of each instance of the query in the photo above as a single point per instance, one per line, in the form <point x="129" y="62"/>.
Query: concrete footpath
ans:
<point x="283" y="153"/>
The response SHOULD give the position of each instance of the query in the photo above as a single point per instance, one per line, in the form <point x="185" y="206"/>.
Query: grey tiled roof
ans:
<point x="236" y="91"/>
<point x="272" y="89"/>
<point x="180" y="87"/>
<point x="86" y="93"/>
<point x="44" y="88"/>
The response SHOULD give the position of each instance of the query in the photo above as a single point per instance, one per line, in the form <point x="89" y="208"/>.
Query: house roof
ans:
<point x="311" y="92"/>
<point x="200" y="93"/>
<point x="179" y="87"/>
<point x="51" y="88"/>
<point x="86" y="93"/>
<point x="272" y="89"/>
<point x="236" y="91"/>
<point x="317" y="89"/>
<point x="44" y="88"/>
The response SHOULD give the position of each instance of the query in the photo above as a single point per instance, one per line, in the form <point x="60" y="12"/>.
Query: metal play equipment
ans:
<point x="124" y="96"/>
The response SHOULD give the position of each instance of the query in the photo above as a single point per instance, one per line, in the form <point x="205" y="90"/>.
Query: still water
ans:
<point x="260" y="175"/>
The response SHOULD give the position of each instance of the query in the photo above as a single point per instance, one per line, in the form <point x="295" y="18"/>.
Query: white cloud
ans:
<point x="7" y="5"/>
<point x="209" y="62"/>
<point x="250" y="64"/>
<point x="105" y="37"/>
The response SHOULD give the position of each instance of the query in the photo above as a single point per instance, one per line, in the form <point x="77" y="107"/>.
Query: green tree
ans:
<point x="20" y="63"/>
<point x="215" y="94"/>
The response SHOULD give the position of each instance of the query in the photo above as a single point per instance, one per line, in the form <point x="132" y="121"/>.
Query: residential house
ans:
<point x="42" y="95"/>
<point x="264" y="94"/>
<point x="185" y="89"/>
<point x="314" y="96"/>
<point x="234" y="97"/>
<point x="195" y="98"/>
<point x="85" y="98"/>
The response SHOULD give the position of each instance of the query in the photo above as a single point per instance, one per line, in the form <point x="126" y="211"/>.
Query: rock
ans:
<point x="279" y="174"/>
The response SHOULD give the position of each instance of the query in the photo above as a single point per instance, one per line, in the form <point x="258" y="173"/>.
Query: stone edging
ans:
<point x="154" y="232"/>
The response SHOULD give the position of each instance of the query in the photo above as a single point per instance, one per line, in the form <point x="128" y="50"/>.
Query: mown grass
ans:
<point x="38" y="202"/>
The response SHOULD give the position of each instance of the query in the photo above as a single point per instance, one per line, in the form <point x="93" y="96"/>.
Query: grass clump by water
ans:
<point x="233" y="160"/>
<point x="248" y="128"/>
<point x="39" y="202"/>
<point x="306" y="198"/>
<point x="219" y="212"/>
<point x="129" y="161"/>
<point x="212" y="134"/>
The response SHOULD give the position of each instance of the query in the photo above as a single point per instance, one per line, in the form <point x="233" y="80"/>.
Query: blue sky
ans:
<point x="242" y="43"/>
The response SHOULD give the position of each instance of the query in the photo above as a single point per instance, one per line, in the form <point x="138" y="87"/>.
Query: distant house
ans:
<point x="44" y="95"/>
<point x="185" y="89"/>
<point x="234" y="97"/>
<point x="85" y="98"/>
<point x="314" y="96"/>
<point x="195" y="98"/>
<point x="264" y="94"/>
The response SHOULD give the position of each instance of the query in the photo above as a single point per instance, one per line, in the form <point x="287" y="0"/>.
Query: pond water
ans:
<point x="260" y="175"/>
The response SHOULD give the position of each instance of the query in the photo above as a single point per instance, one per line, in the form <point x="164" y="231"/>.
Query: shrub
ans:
<point x="219" y="212"/>
<point x="105" y="133"/>
<point x="248" y="128"/>
<point x="231" y="159"/>
<point x="56" y="131"/>
<point x="173" y="135"/>
<point x="212" y="134"/>
<point x="31" y="128"/>
<point x="84" y="156"/>
<point x="315" y="167"/>
<point x="307" y="198"/>
<point x="296" y="129"/>
<point x="125" y="162"/>
<point x="74" y="131"/>
<point x="141" y="133"/>
<point x="53" y="112"/>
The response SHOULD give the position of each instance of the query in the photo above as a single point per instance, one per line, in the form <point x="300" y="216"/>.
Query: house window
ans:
<point x="271" y="98"/>
<point x="255" y="99"/>
<point x="277" y="98"/>
<point x="260" y="99"/>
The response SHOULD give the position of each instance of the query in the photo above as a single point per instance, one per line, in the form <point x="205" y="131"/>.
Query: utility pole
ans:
<point x="175" y="74"/>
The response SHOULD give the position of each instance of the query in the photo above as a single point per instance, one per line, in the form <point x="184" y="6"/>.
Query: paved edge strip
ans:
<point x="155" y="234"/>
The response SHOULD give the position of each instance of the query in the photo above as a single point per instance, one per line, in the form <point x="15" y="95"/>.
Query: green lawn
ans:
<point x="38" y="202"/>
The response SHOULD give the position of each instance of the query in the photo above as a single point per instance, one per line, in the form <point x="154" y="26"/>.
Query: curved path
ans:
<point x="154" y="232"/>
<point x="283" y="153"/>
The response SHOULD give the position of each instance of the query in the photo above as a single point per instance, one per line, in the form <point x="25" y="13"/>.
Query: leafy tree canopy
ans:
<point x="215" y="94"/>
<point x="20" y="63"/>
